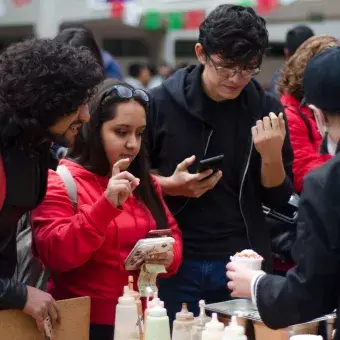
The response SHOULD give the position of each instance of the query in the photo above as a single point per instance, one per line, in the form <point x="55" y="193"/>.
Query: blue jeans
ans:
<point x="195" y="280"/>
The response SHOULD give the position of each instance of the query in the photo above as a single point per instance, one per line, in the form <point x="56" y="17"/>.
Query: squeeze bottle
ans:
<point x="157" y="323"/>
<point x="213" y="329"/>
<point x="126" y="324"/>
<point x="182" y="326"/>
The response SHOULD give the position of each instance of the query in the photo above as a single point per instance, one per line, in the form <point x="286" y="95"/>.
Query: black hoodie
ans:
<point x="182" y="122"/>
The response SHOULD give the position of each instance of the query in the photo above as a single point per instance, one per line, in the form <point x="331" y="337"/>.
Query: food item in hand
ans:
<point x="248" y="254"/>
<point x="249" y="258"/>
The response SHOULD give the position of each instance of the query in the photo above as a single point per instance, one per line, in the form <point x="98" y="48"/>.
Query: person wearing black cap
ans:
<point x="295" y="37"/>
<point x="312" y="288"/>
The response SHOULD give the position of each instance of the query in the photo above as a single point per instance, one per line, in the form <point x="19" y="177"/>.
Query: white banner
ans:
<point x="132" y="13"/>
<point x="98" y="5"/>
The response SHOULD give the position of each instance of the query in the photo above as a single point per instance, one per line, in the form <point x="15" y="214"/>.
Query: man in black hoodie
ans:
<point x="204" y="111"/>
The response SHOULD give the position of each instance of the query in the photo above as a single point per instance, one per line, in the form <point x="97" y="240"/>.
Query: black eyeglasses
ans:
<point x="125" y="92"/>
<point x="228" y="72"/>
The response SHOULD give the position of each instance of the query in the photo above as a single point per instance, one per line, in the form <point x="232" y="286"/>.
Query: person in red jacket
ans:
<point x="304" y="134"/>
<point x="119" y="202"/>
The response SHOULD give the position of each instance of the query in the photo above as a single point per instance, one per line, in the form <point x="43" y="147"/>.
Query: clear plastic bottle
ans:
<point x="126" y="317"/>
<point x="234" y="331"/>
<point x="213" y="329"/>
<point x="199" y="323"/>
<point x="182" y="326"/>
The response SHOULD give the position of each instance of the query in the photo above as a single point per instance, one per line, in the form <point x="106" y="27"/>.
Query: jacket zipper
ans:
<point x="208" y="142"/>
<point x="241" y="190"/>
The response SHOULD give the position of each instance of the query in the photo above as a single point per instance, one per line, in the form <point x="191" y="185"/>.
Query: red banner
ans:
<point x="117" y="9"/>
<point x="193" y="19"/>
<point x="265" y="6"/>
<point x="20" y="3"/>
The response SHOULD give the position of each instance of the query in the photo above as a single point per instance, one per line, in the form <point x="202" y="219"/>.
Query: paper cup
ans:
<point x="254" y="264"/>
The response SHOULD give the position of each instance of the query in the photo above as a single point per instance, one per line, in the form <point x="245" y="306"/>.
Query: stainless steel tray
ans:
<point x="246" y="309"/>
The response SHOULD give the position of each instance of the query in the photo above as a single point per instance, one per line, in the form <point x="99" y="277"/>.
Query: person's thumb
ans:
<point x="184" y="165"/>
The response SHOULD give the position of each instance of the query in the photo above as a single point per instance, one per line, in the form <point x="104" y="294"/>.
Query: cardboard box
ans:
<point x="75" y="321"/>
<point x="262" y="332"/>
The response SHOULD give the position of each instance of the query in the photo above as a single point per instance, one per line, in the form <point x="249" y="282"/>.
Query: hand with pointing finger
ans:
<point x="183" y="183"/>
<point x="121" y="184"/>
<point x="268" y="135"/>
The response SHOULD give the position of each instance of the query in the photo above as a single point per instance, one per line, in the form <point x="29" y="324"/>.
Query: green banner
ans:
<point x="248" y="3"/>
<point x="175" y="20"/>
<point x="153" y="20"/>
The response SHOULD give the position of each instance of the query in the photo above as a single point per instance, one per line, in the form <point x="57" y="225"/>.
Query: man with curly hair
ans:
<point x="44" y="88"/>
<point x="217" y="108"/>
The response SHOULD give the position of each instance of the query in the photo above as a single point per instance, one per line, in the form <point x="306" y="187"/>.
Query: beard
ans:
<point x="61" y="138"/>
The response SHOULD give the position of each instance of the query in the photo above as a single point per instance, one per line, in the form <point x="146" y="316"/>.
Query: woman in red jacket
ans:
<point x="118" y="204"/>
<point x="304" y="134"/>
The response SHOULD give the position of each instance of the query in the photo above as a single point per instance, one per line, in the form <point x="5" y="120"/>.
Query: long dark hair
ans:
<point x="89" y="152"/>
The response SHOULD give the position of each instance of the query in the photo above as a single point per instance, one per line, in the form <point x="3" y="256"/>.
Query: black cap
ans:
<point x="321" y="83"/>
<point x="297" y="36"/>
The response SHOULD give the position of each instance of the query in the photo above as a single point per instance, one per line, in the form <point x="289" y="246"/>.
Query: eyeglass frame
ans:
<point x="135" y="93"/>
<point x="233" y="71"/>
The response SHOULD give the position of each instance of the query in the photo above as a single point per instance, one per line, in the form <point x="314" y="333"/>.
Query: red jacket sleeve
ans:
<point x="176" y="234"/>
<point x="305" y="156"/>
<point x="74" y="237"/>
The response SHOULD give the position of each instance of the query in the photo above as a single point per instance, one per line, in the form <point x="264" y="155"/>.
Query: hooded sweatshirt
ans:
<point x="182" y="122"/>
<point x="86" y="251"/>
<point x="307" y="155"/>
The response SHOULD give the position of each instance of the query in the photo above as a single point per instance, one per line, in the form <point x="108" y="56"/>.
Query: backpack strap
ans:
<point x="70" y="184"/>
<point x="2" y="183"/>
<point x="304" y="119"/>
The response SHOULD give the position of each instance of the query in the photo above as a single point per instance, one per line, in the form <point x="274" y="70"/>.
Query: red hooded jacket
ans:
<point x="86" y="251"/>
<point x="306" y="152"/>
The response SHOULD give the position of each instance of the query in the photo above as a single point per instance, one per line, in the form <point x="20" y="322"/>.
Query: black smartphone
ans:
<point x="214" y="163"/>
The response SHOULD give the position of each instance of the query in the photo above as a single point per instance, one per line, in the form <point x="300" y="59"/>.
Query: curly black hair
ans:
<point x="80" y="37"/>
<point x="236" y="34"/>
<point x="41" y="81"/>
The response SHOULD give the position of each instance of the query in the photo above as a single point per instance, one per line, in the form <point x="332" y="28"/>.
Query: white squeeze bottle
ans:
<point x="149" y="303"/>
<point x="182" y="326"/>
<point x="213" y="329"/>
<point x="157" y="323"/>
<point x="234" y="331"/>
<point x="126" y="324"/>
<point x="138" y="303"/>
<point x="200" y="321"/>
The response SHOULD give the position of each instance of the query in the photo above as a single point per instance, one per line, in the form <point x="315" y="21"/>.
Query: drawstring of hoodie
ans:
<point x="206" y="148"/>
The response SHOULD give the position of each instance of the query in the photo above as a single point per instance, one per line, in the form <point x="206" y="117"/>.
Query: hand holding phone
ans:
<point x="187" y="184"/>
<point x="149" y="248"/>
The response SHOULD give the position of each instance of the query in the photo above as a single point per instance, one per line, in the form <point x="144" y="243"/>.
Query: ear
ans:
<point x="200" y="54"/>
<point x="320" y="119"/>
<point x="286" y="52"/>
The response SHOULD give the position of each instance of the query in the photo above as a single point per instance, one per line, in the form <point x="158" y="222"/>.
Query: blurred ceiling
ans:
<point x="306" y="10"/>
